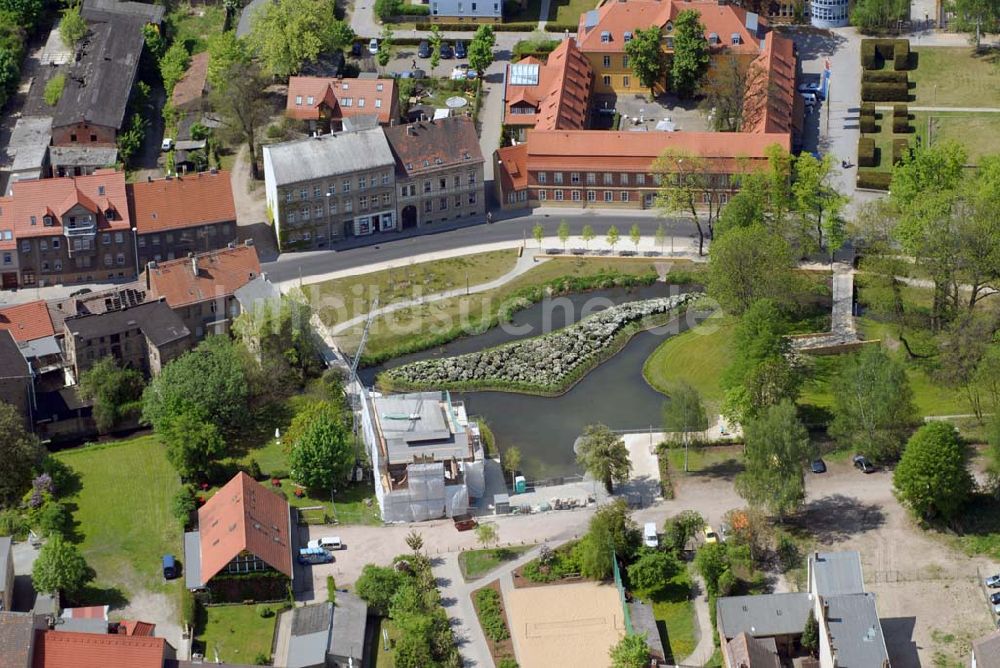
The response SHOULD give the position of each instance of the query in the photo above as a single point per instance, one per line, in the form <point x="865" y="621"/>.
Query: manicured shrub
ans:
<point x="868" y="125"/>
<point x="876" y="52"/>
<point x="901" y="125"/>
<point x="900" y="111"/>
<point x="561" y="27"/>
<point x="900" y="149"/>
<point x="874" y="180"/>
<point x="869" y="56"/>
<point x="901" y="54"/>
<point x="867" y="108"/>
<point x="872" y="91"/>
<point x="885" y="76"/>
<point x="866" y="152"/>
<point x="491" y="615"/>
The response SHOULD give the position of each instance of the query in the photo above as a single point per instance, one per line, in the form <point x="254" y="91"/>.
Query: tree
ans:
<point x="876" y="16"/>
<point x="652" y="572"/>
<point x="173" y="65"/>
<point x="487" y="534"/>
<point x="538" y="233"/>
<point x="810" y="634"/>
<point x="72" y="26"/>
<point x="604" y="455"/>
<point x="193" y="444"/>
<point x="681" y="528"/>
<point x="512" y="461"/>
<point x="243" y="107"/>
<point x="385" y="9"/>
<point x="777" y="447"/>
<point x="660" y="235"/>
<point x="931" y="478"/>
<point x="691" y="57"/>
<point x="685" y="413"/>
<point x="630" y="652"/>
<point x="587" y="234"/>
<point x="435" y="40"/>
<point x="24" y="12"/>
<point x="712" y="561"/>
<point x="414" y="541"/>
<point x="725" y="93"/>
<point x="208" y="383"/>
<point x="323" y="453"/>
<point x="635" y="236"/>
<point x="749" y="527"/>
<point x="977" y="16"/>
<point x="60" y="568"/>
<point x="20" y="454"/>
<point x="685" y="179"/>
<point x="818" y="201"/>
<point x="377" y="584"/>
<point x="873" y="408"/>
<point x="115" y="392"/>
<point x="225" y="50"/>
<point x="183" y="505"/>
<point x="286" y="34"/>
<point x="278" y="332"/>
<point x="384" y="54"/>
<point x="480" y="49"/>
<point x="612" y="236"/>
<point x="646" y="57"/>
<point x="748" y="264"/>
<point x="563" y="232"/>
<point x="611" y="531"/>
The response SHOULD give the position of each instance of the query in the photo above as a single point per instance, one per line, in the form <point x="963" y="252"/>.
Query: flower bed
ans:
<point x="548" y="364"/>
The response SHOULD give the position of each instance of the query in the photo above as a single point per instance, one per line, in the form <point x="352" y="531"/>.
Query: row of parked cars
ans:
<point x="319" y="550"/>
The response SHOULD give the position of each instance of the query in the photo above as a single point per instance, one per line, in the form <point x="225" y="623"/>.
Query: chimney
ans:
<point x="410" y="131"/>
<point x="149" y="179"/>
<point x="150" y="266"/>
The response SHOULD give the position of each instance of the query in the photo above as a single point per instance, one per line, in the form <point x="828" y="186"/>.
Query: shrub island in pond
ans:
<point x="548" y="364"/>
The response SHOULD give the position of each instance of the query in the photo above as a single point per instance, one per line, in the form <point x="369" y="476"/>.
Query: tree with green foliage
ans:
<point x="538" y="233"/>
<point x="684" y="412"/>
<point x="818" y="202"/>
<point x="24" y="12"/>
<point x="932" y="478"/>
<point x="243" y="107"/>
<point x="747" y="264"/>
<point x="208" y="383"/>
<point x="279" y="334"/>
<point x="776" y="450"/>
<point x="487" y="534"/>
<point x="611" y="531"/>
<point x="991" y="456"/>
<point x="480" y="51"/>
<point x="60" y="568"/>
<point x="415" y="541"/>
<point x="652" y="572"/>
<point x="684" y="180"/>
<point x="54" y="89"/>
<point x="604" y="456"/>
<point x="587" y="234"/>
<point x="286" y="34"/>
<point x="183" y="505"/>
<point x="645" y="57"/>
<point x="173" y="65"/>
<point x="563" y="233"/>
<point x="115" y="392"/>
<point x="810" y="634"/>
<point x="384" y="54"/>
<point x="878" y="16"/>
<point x="435" y="43"/>
<point x="660" y="235"/>
<point x="635" y="235"/>
<point x="54" y="519"/>
<point x="612" y="236"/>
<point x="225" y="49"/>
<point x="630" y="652"/>
<point x="976" y="17"/>
<point x="72" y="26"/>
<point x="20" y="453"/>
<point x="10" y="69"/>
<point x="691" y="57"/>
<point x="193" y="444"/>
<point x="712" y="562"/>
<point x="681" y="528"/>
<point x="322" y="453"/>
<point x="512" y="461"/>
<point x="873" y="409"/>
<point x="376" y="586"/>
<point x="385" y="9"/>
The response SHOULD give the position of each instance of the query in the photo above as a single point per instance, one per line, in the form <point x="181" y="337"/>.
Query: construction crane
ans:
<point x="364" y="340"/>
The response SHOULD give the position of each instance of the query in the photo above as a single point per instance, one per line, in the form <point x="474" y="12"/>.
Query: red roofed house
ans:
<point x="71" y="649"/>
<point x="326" y="102"/>
<point x="188" y="94"/>
<point x="243" y="529"/>
<point x="30" y="324"/>
<point x="175" y="216"/>
<point x="550" y="95"/>
<point x="201" y="288"/>
<point x="68" y="230"/>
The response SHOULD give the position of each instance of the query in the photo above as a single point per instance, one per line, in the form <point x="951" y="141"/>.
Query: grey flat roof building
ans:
<point x="327" y="155"/>
<point x="28" y="146"/>
<point x="310" y="636"/>
<point x="764" y="615"/>
<point x="477" y="9"/>
<point x="420" y="426"/>
<point x="192" y="560"/>
<point x="350" y="617"/>
<point x="837" y="573"/>
<point x="855" y="631"/>
<point x="83" y="156"/>
<point x="325" y="634"/>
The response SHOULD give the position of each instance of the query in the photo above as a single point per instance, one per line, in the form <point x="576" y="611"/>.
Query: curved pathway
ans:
<point x="706" y="639"/>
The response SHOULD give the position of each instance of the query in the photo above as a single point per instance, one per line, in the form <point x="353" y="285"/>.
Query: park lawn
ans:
<point x="955" y="77"/>
<point x="698" y="356"/>
<point x="978" y="133"/>
<point x="476" y="563"/>
<point x="237" y="632"/>
<point x="122" y="511"/>
<point x="717" y="457"/>
<point x="195" y="24"/>
<point x="568" y="11"/>
<point x="345" y="298"/>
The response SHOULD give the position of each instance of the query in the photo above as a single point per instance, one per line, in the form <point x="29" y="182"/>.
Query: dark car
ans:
<point x="424" y="50"/>
<point x="995" y="598"/>
<point x="862" y="464"/>
<point x="446" y="51"/>
<point x="460" y="49"/>
<point x="413" y="74"/>
<point x="356" y="49"/>
<point x="169" y="567"/>
<point x="817" y="466"/>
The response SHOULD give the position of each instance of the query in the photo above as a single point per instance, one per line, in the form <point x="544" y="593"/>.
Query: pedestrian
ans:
<point x="414" y="65"/>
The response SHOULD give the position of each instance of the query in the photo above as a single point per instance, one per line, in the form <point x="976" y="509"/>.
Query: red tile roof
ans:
<point x="68" y="649"/>
<point x="310" y="97"/>
<point x="191" y="86"/>
<point x="561" y="95"/>
<point x="244" y="515"/>
<point x="183" y="201"/>
<point x="616" y="17"/>
<point x="98" y="193"/>
<point x="27" y="322"/>
<point x="131" y="627"/>
<point x="771" y="104"/>
<point x="220" y="274"/>
<point x="89" y="612"/>
<point x="513" y="167"/>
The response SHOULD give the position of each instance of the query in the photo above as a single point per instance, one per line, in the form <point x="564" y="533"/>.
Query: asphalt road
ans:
<point x="394" y="247"/>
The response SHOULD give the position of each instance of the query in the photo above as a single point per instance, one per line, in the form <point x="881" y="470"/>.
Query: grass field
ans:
<point x="979" y="133"/>
<point x="568" y="11"/>
<point x="717" y="457"/>
<point x="122" y="511"/>
<point x="956" y="77"/>
<point x="698" y="356"/>
<point x="382" y="657"/>
<point x="193" y="25"/>
<point x="344" y="298"/>
<point x="476" y="563"/>
<point x="676" y="620"/>
<point x="237" y="632"/>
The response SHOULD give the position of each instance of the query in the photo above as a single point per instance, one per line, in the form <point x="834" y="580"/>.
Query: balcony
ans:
<point x="78" y="228"/>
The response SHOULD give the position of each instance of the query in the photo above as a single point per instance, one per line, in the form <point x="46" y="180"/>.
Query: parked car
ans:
<point x="314" y="555"/>
<point x="813" y="87"/>
<point x="167" y="144"/>
<point x="812" y="99"/>
<point x="373" y="46"/>
<point x="724" y="532"/>
<point x="446" y="51"/>
<point x="995" y="597"/>
<point x="356" y="49"/>
<point x="413" y="74"/>
<point x="817" y="466"/>
<point x="169" y="567"/>
<point x="460" y="72"/>
<point x="862" y="464"/>
<point x="710" y="535"/>
<point x="649" y="537"/>
<point x="424" y="50"/>
<point x="993" y="581"/>
<point x="327" y="543"/>
<point x="464" y="522"/>
<point x="460" y="49"/>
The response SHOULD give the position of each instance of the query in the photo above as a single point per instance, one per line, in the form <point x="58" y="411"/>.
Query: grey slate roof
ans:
<point x="855" y="631"/>
<point x="17" y="635"/>
<point x="350" y="616"/>
<point x="259" y="292"/>
<point x="6" y="543"/>
<point x="837" y="573"/>
<point x="192" y="560"/>
<point x="12" y="362"/>
<point x="645" y="623"/>
<point x="28" y="143"/>
<point x="329" y="155"/>
<point x="764" y="615"/>
<point x="83" y="156"/>
<point x="156" y="320"/>
<point x="987" y="651"/>
<point x="310" y="636"/>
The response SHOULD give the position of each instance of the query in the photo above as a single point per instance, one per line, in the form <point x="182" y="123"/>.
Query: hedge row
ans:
<point x="471" y="27"/>
<point x="868" y="125"/>
<point x="867" y="108"/>
<point x="885" y="76"/>
<point x="874" y="52"/>
<point x="874" y="180"/>
<point x="561" y="27"/>
<point x="885" y="92"/>
<point x="900" y="150"/>
<point x="491" y="615"/>
<point x="900" y="111"/>
<point x="866" y="152"/>
<point x="901" y="125"/>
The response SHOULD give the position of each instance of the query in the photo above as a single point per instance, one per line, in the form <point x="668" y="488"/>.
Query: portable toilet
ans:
<point x="520" y="485"/>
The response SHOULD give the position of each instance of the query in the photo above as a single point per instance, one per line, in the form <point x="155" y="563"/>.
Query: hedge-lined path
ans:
<point x="964" y="110"/>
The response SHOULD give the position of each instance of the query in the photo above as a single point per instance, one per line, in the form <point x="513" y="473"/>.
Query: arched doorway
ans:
<point x="409" y="216"/>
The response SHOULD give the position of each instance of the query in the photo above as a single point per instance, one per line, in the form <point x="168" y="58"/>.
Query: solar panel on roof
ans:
<point x="524" y="74"/>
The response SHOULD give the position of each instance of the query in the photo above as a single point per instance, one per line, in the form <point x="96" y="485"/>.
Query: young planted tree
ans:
<point x="604" y="456"/>
<point x="612" y="236"/>
<point x="60" y="568"/>
<point x="660" y="236"/>
<point x="563" y="233"/>
<point x="932" y="478"/>
<point x="72" y="27"/>
<point x="435" y="42"/>
<point x="384" y="54"/>
<point x="646" y="58"/>
<point x="587" y="234"/>
<point x="480" y="49"/>
<point x="512" y="461"/>
<point x="635" y="235"/>
<point x="487" y="534"/>
<point x="691" y="56"/>
<point x="681" y="528"/>
<point x="685" y="179"/>
<point x="777" y="447"/>
<point x="684" y="412"/>
<point x="415" y="541"/>
<point x="538" y="233"/>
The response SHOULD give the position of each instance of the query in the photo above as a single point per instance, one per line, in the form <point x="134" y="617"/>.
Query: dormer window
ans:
<point x="605" y="37"/>
<point x="310" y="100"/>
<point x="669" y="27"/>
<point x="438" y="161"/>
<point x="427" y="163"/>
<point x="379" y="87"/>
<point x="101" y="191"/>
<point x="34" y="221"/>
<point x="47" y="221"/>
<point x="736" y="38"/>
<point x="343" y="86"/>
<point x="109" y="214"/>
<point x="713" y="38"/>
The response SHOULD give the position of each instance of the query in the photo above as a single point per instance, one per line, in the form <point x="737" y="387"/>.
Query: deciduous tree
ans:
<point x="480" y="49"/>
<point x="20" y="454"/>
<point x="377" y="584"/>
<point x="652" y="571"/>
<point x="876" y="16"/>
<point x="243" y="107"/>
<point x="563" y="233"/>
<point x="72" y="26"/>
<point x="777" y="446"/>
<point x="747" y="264"/>
<point x="684" y="412"/>
<point x="323" y="452"/>
<point x="224" y="50"/>
<point x="384" y="54"/>
<point x="630" y="652"/>
<point x="646" y="58"/>
<point x="691" y="57"/>
<point x="612" y="236"/>
<point x="681" y="528"/>
<point x="115" y="392"/>
<point x="932" y="479"/>
<point x="684" y="180"/>
<point x="60" y="568"/>
<point x="818" y="202"/>
<point x="587" y="234"/>
<point x="604" y="455"/>
<point x="193" y="444"/>
<point x="286" y="34"/>
<point x="635" y="235"/>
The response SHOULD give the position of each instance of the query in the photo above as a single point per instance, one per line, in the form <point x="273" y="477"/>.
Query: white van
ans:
<point x="649" y="537"/>
<point x="328" y="543"/>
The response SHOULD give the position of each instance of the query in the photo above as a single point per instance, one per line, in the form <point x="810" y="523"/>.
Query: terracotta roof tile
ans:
<point x="131" y="627"/>
<point x="561" y="95"/>
<point x="69" y="649"/>
<point x="513" y="168"/>
<point x="244" y="515"/>
<point x="432" y="145"/>
<point x="309" y="96"/>
<point x="220" y="274"/>
<point x="98" y="192"/>
<point x="192" y="85"/>
<point x="27" y="322"/>
<point x="771" y="104"/>
<point x="184" y="201"/>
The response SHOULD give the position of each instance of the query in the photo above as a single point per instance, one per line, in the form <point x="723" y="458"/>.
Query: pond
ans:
<point x="544" y="428"/>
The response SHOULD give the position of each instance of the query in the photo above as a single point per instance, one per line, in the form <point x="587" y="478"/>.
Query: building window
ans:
<point x="345" y="186"/>
<point x="348" y="206"/>
<point x="472" y="197"/>
<point x="542" y="195"/>
<point x="591" y="195"/>
<point x="559" y="195"/>
<point x="428" y="206"/>
<point x="575" y="195"/>
<point x="304" y="213"/>
<point x="609" y="178"/>
<point x="156" y="239"/>
<point x="608" y="196"/>
<point x="640" y="179"/>
<point x="706" y="198"/>
<point x="291" y="217"/>
<point x="442" y="183"/>
<point x="624" y="61"/>
<point x="55" y="243"/>
<point x="427" y="186"/>
<point x="558" y="178"/>
<point x="107" y="259"/>
<point x="543" y="177"/>
<point x="625" y="82"/>
<point x="106" y="239"/>
<point x="624" y="178"/>
<point x="456" y="182"/>
<point x="43" y="245"/>
<point x="624" y="196"/>
<point x="120" y="259"/>
<point x="724" y="198"/>
<point x="472" y="178"/>
<point x="363" y="202"/>
<point x="606" y="80"/>
<point x="288" y="196"/>
<point x="8" y="258"/>
<point x="362" y="183"/>
<point x="119" y="237"/>
<point x="591" y="178"/>
<point x="333" y="206"/>
<point x="607" y="61"/>
<point x="458" y="201"/>
<point x="385" y="199"/>
<point x="57" y="265"/>
<point x="385" y="179"/>
<point x="318" y="211"/>
<point x="317" y="191"/>
<point x="25" y="246"/>
<point x="574" y="177"/>
<point x="304" y="193"/>
<point x="443" y="204"/>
